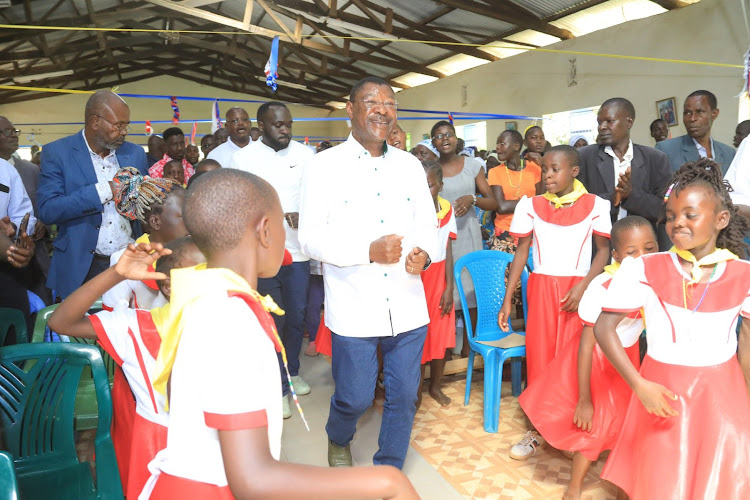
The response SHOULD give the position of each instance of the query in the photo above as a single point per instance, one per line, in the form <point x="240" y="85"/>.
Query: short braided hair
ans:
<point x="707" y="173"/>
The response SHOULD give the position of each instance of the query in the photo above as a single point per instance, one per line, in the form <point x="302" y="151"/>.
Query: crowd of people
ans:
<point x="212" y="270"/>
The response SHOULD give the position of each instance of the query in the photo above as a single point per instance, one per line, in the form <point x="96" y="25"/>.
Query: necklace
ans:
<point x="520" y="179"/>
<point x="703" y="296"/>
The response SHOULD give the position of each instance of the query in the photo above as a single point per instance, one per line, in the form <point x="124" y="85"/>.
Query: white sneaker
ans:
<point x="286" y="410"/>
<point x="301" y="387"/>
<point x="527" y="446"/>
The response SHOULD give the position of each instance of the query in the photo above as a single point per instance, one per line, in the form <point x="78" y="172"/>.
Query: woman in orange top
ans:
<point x="510" y="182"/>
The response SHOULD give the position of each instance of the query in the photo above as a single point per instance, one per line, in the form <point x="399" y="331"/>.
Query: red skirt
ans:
<point x="149" y="439"/>
<point x="178" y="488"/>
<point x="702" y="453"/>
<point x="548" y="329"/>
<point x="123" y="414"/>
<point x="550" y="404"/>
<point x="323" y="337"/>
<point x="441" y="331"/>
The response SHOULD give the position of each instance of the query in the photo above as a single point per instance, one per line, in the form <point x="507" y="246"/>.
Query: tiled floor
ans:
<point x="450" y="457"/>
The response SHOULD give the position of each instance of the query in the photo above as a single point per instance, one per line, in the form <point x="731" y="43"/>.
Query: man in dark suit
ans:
<point x="632" y="177"/>
<point x="75" y="192"/>
<point x="698" y="113"/>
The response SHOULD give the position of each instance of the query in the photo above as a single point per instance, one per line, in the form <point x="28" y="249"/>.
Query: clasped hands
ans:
<point x="623" y="189"/>
<point x="387" y="250"/>
<point x="19" y="254"/>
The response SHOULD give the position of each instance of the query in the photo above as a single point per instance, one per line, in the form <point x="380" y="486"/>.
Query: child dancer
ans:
<point x="686" y="434"/>
<point x="438" y="286"/>
<point x="562" y="222"/>
<point x="224" y="437"/>
<point x="132" y="338"/>
<point x="579" y="402"/>
<point x="157" y="203"/>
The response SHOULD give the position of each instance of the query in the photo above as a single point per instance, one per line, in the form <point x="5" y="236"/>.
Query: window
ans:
<point x="473" y="134"/>
<point x="559" y="128"/>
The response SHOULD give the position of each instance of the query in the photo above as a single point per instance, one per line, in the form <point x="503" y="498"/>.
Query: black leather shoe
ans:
<point x="339" y="456"/>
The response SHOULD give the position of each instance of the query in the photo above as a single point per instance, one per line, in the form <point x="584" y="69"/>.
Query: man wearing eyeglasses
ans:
<point x="75" y="192"/>
<point x="367" y="214"/>
<point x="29" y="174"/>
<point x="238" y="127"/>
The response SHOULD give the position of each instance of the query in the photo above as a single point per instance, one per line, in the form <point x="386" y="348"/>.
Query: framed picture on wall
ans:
<point x="666" y="109"/>
<point x="511" y="125"/>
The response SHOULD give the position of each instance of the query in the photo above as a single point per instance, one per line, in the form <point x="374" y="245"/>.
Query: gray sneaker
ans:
<point x="301" y="387"/>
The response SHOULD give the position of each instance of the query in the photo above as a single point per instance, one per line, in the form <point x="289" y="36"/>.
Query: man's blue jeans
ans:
<point x="355" y="371"/>
<point x="289" y="290"/>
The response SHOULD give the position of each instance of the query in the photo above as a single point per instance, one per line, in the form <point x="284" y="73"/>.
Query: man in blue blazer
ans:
<point x="75" y="192"/>
<point x="698" y="113"/>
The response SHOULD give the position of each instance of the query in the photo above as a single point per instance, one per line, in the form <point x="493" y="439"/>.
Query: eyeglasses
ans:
<point x="238" y="120"/>
<point x="7" y="132"/>
<point x="119" y="128"/>
<point x="371" y="103"/>
<point x="446" y="135"/>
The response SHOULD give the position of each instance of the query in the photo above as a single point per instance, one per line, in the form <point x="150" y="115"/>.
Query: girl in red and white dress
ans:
<point x="438" y="287"/>
<point x="686" y="433"/>
<point x="579" y="402"/>
<point x="562" y="223"/>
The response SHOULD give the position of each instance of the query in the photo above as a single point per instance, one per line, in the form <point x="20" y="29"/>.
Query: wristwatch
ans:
<point x="427" y="264"/>
<point x="474" y="198"/>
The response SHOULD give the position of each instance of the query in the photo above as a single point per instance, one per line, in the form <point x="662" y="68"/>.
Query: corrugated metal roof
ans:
<point x="502" y="49"/>
<point x="457" y="63"/>
<point x="547" y="8"/>
<point x="419" y="52"/>
<point x="473" y="23"/>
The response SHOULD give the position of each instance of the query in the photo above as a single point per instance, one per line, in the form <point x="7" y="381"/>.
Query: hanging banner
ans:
<point x="215" y="117"/>
<point x="192" y="134"/>
<point x="176" y="115"/>
<point x="272" y="68"/>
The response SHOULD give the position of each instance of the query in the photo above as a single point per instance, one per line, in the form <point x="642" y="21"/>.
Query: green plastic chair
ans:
<point x="8" y="481"/>
<point x="38" y="385"/>
<point x="85" y="407"/>
<point x="12" y="319"/>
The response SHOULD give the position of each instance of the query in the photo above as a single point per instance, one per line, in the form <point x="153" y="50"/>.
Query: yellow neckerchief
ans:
<point x="612" y="268"/>
<point x="188" y="285"/>
<point x="445" y="207"/>
<point x="715" y="257"/>
<point x="578" y="191"/>
<point x="144" y="238"/>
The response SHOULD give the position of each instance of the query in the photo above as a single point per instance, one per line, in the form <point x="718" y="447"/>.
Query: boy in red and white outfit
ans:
<point x="131" y="337"/>
<point x="562" y="223"/>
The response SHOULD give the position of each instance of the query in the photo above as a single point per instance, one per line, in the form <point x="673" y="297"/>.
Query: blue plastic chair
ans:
<point x="487" y="271"/>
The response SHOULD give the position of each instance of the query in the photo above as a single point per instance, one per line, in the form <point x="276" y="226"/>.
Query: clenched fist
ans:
<point x="386" y="249"/>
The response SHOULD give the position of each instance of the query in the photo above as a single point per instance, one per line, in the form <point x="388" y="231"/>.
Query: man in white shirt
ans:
<point x="238" y="127"/>
<point x="279" y="160"/>
<point x="368" y="216"/>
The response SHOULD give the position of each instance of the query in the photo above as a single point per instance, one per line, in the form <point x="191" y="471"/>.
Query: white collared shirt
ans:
<point x="115" y="232"/>
<point x="702" y="151"/>
<point x="283" y="170"/>
<point x="620" y="168"/>
<point x="14" y="200"/>
<point x="738" y="175"/>
<point x="223" y="152"/>
<point x="349" y="200"/>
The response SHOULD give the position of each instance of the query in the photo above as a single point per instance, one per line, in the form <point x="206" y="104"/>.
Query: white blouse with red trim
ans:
<point x="131" y="338"/>
<point x="677" y="334"/>
<point x="629" y="329"/>
<point x="138" y="294"/>
<point x="225" y="377"/>
<point x="447" y="231"/>
<point x="562" y="237"/>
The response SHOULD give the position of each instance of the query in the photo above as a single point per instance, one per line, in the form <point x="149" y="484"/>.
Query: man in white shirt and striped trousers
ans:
<point x="367" y="214"/>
